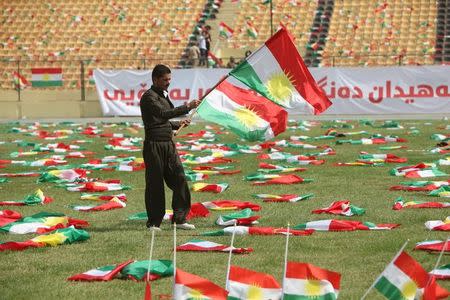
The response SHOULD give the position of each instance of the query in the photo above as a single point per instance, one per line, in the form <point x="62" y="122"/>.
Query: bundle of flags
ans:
<point x="283" y="179"/>
<point x="230" y="205"/>
<point x="419" y="185"/>
<point x="97" y="186"/>
<point x="271" y="168"/>
<point x="105" y="273"/>
<point x="61" y="176"/>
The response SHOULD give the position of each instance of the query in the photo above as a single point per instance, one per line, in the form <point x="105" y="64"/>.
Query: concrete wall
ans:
<point x="48" y="104"/>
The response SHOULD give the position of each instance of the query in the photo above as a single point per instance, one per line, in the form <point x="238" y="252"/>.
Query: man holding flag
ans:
<point x="160" y="155"/>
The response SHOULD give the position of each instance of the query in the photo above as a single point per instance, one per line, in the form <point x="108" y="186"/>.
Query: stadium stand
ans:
<point x="77" y="36"/>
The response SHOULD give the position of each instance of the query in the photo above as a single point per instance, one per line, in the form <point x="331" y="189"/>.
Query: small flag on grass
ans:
<point x="433" y="246"/>
<point x="442" y="272"/>
<point x="243" y="217"/>
<point x="115" y="203"/>
<point x="400" y="204"/>
<point x="137" y="270"/>
<point x="343" y="225"/>
<point x="230" y="205"/>
<point x="245" y="230"/>
<point x="207" y="187"/>
<point x="438" y="225"/>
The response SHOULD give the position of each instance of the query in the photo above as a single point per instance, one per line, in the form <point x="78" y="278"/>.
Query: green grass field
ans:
<point x="360" y="256"/>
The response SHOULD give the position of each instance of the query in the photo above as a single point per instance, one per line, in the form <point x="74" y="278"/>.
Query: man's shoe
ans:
<point x="185" y="226"/>
<point x="154" y="228"/>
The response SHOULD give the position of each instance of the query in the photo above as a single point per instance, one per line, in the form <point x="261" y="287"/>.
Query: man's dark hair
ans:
<point x="160" y="70"/>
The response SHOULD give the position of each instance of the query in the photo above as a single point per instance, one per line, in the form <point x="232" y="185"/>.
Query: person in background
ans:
<point x="162" y="163"/>
<point x="193" y="55"/>
<point x="231" y="63"/>
<point x="203" y="50"/>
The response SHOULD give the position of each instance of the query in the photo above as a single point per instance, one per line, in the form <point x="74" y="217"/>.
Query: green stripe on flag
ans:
<point x="46" y="83"/>
<point x="247" y="75"/>
<point x="389" y="290"/>
<point x="210" y="113"/>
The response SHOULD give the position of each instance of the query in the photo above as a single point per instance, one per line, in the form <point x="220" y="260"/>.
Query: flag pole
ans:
<point x="438" y="261"/>
<point x="379" y="276"/>
<point x="174" y="253"/>
<point x="286" y="256"/>
<point x="203" y="97"/>
<point x="229" y="256"/>
<point x="148" y="291"/>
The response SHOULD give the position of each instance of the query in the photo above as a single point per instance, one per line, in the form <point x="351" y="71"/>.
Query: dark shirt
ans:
<point x="156" y="111"/>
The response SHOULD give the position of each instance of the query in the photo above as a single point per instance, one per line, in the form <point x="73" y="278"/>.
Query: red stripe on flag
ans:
<point x="412" y="268"/>
<point x="269" y="111"/>
<point x="46" y="70"/>
<point x="311" y="272"/>
<point x="250" y="277"/>
<point x="282" y="47"/>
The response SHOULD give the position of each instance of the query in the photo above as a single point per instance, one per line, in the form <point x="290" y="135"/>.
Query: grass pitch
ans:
<point x="360" y="256"/>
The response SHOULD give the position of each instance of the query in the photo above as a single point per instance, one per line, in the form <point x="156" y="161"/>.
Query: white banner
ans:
<point x="381" y="90"/>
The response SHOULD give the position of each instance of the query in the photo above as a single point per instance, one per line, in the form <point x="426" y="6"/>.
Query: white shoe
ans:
<point x="186" y="226"/>
<point x="154" y="228"/>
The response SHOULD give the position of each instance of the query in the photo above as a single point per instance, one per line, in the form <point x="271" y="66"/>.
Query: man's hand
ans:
<point x="194" y="103"/>
<point x="185" y="122"/>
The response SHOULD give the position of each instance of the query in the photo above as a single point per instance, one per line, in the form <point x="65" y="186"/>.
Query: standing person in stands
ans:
<point x="208" y="39"/>
<point x="193" y="55"/>
<point x="160" y="155"/>
<point x="203" y="50"/>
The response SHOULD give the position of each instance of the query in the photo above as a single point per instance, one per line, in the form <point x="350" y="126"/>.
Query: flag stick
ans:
<point x="285" y="256"/>
<point x="203" y="97"/>
<point x="229" y="256"/>
<point x="150" y="256"/>
<point x="148" y="288"/>
<point x="438" y="261"/>
<point x="379" y="276"/>
<point x="174" y="253"/>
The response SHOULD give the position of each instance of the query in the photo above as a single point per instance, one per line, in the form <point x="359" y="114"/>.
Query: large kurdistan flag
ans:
<point x="248" y="115"/>
<point x="277" y="71"/>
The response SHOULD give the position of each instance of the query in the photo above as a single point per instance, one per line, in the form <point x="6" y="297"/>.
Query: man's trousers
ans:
<point x="163" y="164"/>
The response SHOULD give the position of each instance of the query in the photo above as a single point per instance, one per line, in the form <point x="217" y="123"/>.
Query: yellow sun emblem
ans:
<point x="247" y="117"/>
<point x="409" y="290"/>
<point x="254" y="292"/>
<point x="313" y="287"/>
<point x="280" y="88"/>
<point x="194" y="294"/>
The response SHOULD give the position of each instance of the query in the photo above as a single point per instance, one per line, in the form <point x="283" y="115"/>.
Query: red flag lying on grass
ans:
<point x="433" y="246"/>
<point x="282" y="198"/>
<point x="205" y="246"/>
<point x="37" y="197"/>
<point x="419" y="186"/>
<point x="115" y="203"/>
<point x="243" y="217"/>
<point x="230" y="205"/>
<point x="208" y="187"/>
<point x="105" y="273"/>
<point x="245" y="230"/>
<point x="343" y="208"/>
<point x="190" y="286"/>
<point x="283" y="179"/>
<point x="87" y="196"/>
<point x="400" y="204"/>
<point x="438" y="225"/>
<point x="343" y="225"/>
<point x="67" y="235"/>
